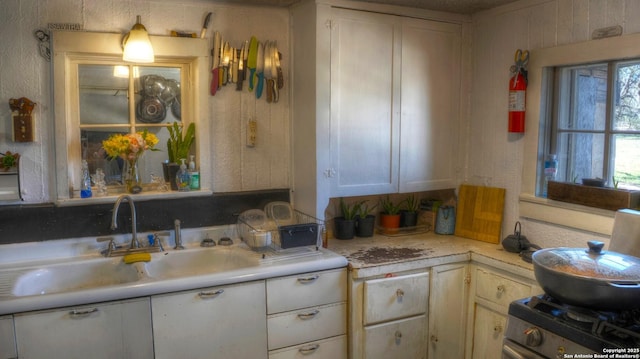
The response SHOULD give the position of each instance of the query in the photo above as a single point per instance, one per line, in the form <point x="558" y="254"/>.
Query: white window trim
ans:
<point x="542" y="209"/>
<point x="70" y="46"/>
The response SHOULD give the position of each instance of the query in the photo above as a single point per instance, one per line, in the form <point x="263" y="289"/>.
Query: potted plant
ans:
<point x="345" y="225"/>
<point x="178" y="147"/>
<point x="365" y="220"/>
<point x="409" y="214"/>
<point x="390" y="216"/>
<point x="8" y="160"/>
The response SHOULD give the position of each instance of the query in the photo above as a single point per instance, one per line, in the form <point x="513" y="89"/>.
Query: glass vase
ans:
<point x="131" y="176"/>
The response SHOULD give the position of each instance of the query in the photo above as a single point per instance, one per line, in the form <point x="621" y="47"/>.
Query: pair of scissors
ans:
<point x="522" y="58"/>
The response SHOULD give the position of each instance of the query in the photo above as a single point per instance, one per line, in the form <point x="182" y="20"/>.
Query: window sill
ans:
<point x="566" y="214"/>
<point x="144" y="196"/>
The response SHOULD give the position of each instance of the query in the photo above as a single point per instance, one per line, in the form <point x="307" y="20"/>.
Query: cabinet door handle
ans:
<point x="434" y="339"/>
<point x="400" y="294"/>
<point x="308" y="315"/>
<point x="497" y="328"/>
<point x="82" y="313"/>
<point x="398" y="336"/>
<point x="308" y="280"/>
<point x="211" y="294"/>
<point x="500" y="289"/>
<point x="309" y="349"/>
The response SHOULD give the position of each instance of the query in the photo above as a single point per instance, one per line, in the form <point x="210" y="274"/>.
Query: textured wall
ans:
<point x="496" y="34"/>
<point x="235" y="167"/>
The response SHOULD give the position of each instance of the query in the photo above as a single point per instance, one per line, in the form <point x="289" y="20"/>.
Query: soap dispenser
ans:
<point x="194" y="174"/>
<point x="183" y="179"/>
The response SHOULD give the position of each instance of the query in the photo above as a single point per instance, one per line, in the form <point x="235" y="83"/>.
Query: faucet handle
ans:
<point x="110" y="247"/>
<point x="158" y="241"/>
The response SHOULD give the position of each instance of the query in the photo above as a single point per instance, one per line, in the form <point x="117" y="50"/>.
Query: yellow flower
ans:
<point x="129" y="146"/>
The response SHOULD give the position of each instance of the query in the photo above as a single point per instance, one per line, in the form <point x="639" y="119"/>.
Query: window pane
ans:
<point x="583" y="95"/>
<point x="103" y="95"/>
<point x="627" y="97"/>
<point x="158" y="95"/>
<point x="626" y="161"/>
<point x="580" y="155"/>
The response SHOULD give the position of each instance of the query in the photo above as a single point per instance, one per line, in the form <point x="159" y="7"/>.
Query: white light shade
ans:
<point x="137" y="46"/>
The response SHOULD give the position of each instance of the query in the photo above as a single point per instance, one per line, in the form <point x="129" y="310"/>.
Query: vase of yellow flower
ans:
<point x="130" y="147"/>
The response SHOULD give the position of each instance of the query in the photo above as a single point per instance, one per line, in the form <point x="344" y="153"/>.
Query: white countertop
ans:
<point x="379" y="255"/>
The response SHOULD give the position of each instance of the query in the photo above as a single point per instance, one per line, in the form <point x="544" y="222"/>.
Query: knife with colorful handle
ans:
<point x="274" y="72"/>
<point x="260" y="70"/>
<point x="252" y="60"/>
<point x="267" y="72"/>
<point x="241" y="66"/>
<point x="215" y="53"/>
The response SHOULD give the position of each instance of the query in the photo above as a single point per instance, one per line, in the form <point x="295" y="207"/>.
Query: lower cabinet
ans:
<point x="222" y="322"/>
<point x="119" y="329"/>
<point x="389" y="316"/>
<point x="448" y="310"/>
<point x="307" y="315"/>
<point x="492" y="290"/>
<point x="7" y="338"/>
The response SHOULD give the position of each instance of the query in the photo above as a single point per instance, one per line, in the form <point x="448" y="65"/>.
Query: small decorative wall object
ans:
<point x="43" y="43"/>
<point x="21" y="113"/>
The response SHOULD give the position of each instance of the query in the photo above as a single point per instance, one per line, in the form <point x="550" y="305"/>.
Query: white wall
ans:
<point x="24" y="73"/>
<point x="496" y="157"/>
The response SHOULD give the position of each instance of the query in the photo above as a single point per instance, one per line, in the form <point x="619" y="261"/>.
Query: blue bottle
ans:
<point x="85" y="186"/>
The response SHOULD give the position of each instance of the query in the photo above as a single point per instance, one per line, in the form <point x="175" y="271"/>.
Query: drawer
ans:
<point x="306" y="325"/>
<point x="332" y="348"/>
<point x="403" y="338"/>
<point x="499" y="289"/>
<point x="395" y="297"/>
<point x="306" y="290"/>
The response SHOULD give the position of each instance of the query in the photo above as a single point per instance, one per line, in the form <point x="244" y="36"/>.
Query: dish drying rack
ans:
<point x="281" y="239"/>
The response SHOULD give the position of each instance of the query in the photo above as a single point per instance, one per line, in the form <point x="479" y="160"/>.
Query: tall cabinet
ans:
<point x="376" y="103"/>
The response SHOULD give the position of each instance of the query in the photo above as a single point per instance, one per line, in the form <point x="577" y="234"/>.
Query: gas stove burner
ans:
<point x="583" y="315"/>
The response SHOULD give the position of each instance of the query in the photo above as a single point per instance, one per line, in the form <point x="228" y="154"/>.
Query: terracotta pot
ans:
<point x="389" y="223"/>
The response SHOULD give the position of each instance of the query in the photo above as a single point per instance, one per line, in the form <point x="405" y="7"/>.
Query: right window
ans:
<point x="594" y="126"/>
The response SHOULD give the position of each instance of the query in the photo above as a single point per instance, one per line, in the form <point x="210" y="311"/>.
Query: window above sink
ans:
<point x="97" y="94"/>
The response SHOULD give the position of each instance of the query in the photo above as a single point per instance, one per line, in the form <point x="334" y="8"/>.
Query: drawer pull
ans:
<point x="434" y="339"/>
<point x="308" y="280"/>
<point x="309" y="349"/>
<point x="82" y="313"/>
<point x="398" y="337"/>
<point x="500" y="289"/>
<point x="211" y="294"/>
<point x="497" y="328"/>
<point x="308" y="315"/>
<point x="399" y="295"/>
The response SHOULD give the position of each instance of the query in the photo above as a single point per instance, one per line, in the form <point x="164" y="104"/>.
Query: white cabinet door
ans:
<point x="399" y="339"/>
<point x="109" y="330"/>
<point x="222" y="322"/>
<point x="7" y="338"/>
<point x="430" y="105"/>
<point x="364" y="123"/>
<point x="488" y="332"/>
<point x="447" y="311"/>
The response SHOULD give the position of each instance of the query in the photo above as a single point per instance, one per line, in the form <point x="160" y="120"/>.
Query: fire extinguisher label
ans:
<point x="517" y="100"/>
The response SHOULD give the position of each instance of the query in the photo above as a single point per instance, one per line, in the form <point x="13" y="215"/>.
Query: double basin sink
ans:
<point x="103" y="272"/>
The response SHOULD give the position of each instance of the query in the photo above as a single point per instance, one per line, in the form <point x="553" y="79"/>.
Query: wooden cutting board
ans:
<point x="479" y="213"/>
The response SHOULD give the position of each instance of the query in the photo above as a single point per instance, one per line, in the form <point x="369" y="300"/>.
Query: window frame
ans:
<point x="540" y="75"/>
<point x="73" y="48"/>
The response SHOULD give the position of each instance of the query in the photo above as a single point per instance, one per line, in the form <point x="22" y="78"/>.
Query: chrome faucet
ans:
<point x="179" y="245"/>
<point x="114" y="224"/>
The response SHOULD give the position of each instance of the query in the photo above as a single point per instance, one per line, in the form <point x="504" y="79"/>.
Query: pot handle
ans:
<point x="624" y="285"/>
<point x="517" y="229"/>
<point x="595" y="247"/>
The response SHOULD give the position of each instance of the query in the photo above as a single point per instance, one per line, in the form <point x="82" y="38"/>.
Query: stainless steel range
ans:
<point x="542" y="327"/>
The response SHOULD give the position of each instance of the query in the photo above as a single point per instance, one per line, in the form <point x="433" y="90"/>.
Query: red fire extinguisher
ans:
<point x="517" y="92"/>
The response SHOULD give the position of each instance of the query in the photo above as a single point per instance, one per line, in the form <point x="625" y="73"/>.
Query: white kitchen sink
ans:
<point x="66" y="277"/>
<point x="195" y="262"/>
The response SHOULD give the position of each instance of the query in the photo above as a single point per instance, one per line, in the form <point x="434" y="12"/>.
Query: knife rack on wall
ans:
<point x="256" y="63"/>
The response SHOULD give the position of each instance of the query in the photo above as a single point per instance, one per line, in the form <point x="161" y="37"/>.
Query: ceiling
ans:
<point x="453" y="6"/>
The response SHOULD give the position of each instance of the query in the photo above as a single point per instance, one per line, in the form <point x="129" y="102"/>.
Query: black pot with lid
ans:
<point x="592" y="278"/>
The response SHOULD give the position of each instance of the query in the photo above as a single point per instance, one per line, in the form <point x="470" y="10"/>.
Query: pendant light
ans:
<point x="137" y="46"/>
